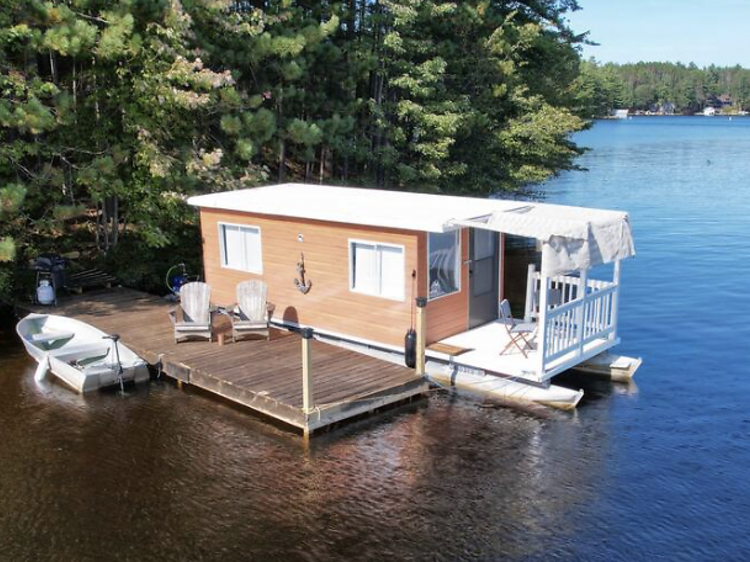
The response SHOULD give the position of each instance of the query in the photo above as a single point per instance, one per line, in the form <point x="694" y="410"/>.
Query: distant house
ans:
<point x="719" y="102"/>
<point x="668" y="108"/>
<point x="620" y="113"/>
<point x="725" y="100"/>
<point x="709" y="111"/>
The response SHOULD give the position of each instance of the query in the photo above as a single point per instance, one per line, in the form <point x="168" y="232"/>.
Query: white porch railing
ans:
<point x="562" y="290"/>
<point x="577" y="323"/>
<point x="571" y="326"/>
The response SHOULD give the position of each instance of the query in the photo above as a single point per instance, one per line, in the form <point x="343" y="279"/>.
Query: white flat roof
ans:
<point x="391" y="209"/>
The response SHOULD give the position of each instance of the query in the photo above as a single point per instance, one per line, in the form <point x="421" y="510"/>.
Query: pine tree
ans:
<point x="113" y="112"/>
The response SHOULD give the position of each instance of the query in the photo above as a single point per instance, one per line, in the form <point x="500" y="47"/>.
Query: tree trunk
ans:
<point x="282" y="160"/>
<point x="351" y="18"/>
<point x="321" y="171"/>
<point x="96" y="229"/>
<point x="104" y="225"/>
<point x="75" y="92"/>
<point x="115" y="220"/>
<point x="53" y="68"/>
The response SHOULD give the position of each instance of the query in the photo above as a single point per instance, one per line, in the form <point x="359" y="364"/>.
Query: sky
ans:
<point x="701" y="31"/>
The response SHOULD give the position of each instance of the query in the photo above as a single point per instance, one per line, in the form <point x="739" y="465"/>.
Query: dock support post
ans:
<point x="541" y="328"/>
<point x="421" y="336"/>
<point x="528" y="315"/>
<point x="583" y="282"/>
<point x="615" y="299"/>
<point x="541" y="320"/>
<point x="308" y="402"/>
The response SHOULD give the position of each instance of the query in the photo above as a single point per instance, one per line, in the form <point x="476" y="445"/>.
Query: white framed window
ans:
<point x="240" y="247"/>
<point x="376" y="269"/>
<point x="444" y="263"/>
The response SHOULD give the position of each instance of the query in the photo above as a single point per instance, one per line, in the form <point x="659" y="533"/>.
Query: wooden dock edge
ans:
<point x="324" y="416"/>
<point x="319" y="417"/>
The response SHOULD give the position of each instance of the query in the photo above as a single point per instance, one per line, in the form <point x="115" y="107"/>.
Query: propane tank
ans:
<point x="45" y="293"/>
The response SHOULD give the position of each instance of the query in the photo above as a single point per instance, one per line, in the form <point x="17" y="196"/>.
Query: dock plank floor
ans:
<point x="264" y="375"/>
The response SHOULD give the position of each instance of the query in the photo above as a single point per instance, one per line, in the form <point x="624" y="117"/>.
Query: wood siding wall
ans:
<point x="329" y="305"/>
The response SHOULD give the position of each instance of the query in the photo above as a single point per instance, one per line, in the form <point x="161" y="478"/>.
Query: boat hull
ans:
<point x="479" y="382"/>
<point x="618" y="368"/>
<point x="506" y="389"/>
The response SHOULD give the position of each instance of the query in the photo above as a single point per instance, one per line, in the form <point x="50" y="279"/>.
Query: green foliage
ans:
<point x="7" y="249"/>
<point x="301" y="132"/>
<point x="259" y="125"/>
<point x="113" y="112"/>
<point x="11" y="199"/>
<point x="67" y="212"/>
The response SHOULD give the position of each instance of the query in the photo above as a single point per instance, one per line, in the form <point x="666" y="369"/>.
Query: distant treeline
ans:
<point x="662" y="86"/>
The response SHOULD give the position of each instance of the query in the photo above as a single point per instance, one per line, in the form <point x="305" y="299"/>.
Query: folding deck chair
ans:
<point x="517" y="332"/>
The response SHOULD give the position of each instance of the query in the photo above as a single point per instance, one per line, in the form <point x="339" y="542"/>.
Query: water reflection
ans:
<point x="441" y="479"/>
<point x="654" y="471"/>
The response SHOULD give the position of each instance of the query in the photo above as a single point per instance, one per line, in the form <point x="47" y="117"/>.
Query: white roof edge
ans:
<point x="396" y="209"/>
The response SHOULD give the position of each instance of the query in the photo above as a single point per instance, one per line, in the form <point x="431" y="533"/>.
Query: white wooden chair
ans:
<point x="193" y="317"/>
<point x="517" y="333"/>
<point x="250" y="314"/>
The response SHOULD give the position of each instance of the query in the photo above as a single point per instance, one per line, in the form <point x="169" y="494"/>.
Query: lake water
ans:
<point x="657" y="471"/>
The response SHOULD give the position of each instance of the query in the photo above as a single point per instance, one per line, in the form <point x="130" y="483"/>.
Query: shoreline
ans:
<point x="611" y="118"/>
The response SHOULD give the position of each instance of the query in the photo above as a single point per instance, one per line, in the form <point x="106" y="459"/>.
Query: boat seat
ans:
<point x="99" y="369"/>
<point x="86" y="362"/>
<point x="51" y="336"/>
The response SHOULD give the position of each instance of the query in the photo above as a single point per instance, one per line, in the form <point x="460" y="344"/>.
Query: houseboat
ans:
<point x="352" y="264"/>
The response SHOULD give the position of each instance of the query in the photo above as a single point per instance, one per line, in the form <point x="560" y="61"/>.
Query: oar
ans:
<point x="41" y="369"/>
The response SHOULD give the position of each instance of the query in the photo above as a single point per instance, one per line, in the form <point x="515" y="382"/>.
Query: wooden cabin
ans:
<point x="350" y="262"/>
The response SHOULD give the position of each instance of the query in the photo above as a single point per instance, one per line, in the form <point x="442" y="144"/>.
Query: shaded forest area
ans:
<point x="662" y="86"/>
<point x="112" y="112"/>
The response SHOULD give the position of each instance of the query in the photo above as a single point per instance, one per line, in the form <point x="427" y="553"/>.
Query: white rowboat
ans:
<point x="81" y="356"/>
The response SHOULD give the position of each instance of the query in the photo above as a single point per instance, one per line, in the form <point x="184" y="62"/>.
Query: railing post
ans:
<point x="530" y="290"/>
<point x="541" y="325"/>
<point x="420" y="366"/>
<point x="615" y="299"/>
<point x="308" y="402"/>
<point x="580" y="321"/>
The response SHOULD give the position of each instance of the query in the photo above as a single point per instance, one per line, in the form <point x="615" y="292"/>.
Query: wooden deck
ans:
<point x="265" y="376"/>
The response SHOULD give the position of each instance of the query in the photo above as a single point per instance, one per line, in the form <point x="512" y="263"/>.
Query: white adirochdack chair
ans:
<point x="517" y="332"/>
<point x="250" y="314"/>
<point x="193" y="316"/>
